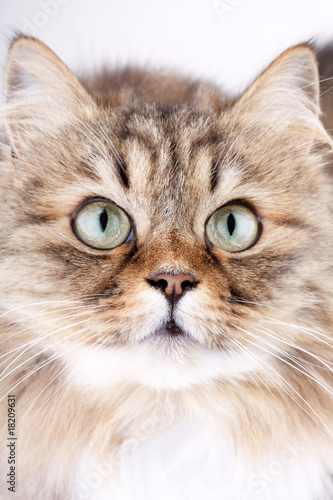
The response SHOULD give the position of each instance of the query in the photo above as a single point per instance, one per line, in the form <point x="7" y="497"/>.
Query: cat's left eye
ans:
<point x="102" y="225"/>
<point x="233" y="228"/>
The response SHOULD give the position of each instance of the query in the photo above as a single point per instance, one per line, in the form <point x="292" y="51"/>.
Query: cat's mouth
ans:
<point x="168" y="331"/>
<point x="170" y="328"/>
<point x="169" y="334"/>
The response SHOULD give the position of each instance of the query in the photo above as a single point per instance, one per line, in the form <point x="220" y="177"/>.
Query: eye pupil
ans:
<point x="103" y="220"/>
<point x="231" y="223"/>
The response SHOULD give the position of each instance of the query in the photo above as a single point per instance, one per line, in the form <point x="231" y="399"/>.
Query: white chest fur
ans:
<point x="187" y="465"/>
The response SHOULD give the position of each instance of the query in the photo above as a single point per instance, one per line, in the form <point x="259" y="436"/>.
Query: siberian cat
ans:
<point x="166" y="285"/>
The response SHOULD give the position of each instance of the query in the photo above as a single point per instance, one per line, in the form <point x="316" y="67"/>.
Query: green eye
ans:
<point x="233" y="228"/>
<point x="102" y="225"/>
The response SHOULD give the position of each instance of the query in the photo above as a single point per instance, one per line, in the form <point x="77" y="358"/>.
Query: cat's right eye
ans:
<point x="100" y="224"/>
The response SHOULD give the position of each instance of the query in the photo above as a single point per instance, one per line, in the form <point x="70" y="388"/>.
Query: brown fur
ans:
<point x="171" y="152"/>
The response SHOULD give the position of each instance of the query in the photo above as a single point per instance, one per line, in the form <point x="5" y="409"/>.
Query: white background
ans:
<point x="229" y="44"/>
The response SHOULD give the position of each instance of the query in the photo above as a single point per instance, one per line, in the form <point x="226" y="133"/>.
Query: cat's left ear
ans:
<point x="283" y="104"/>
<point x="41" y="94"/>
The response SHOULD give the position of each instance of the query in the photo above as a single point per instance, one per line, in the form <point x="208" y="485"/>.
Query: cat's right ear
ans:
<point x="41" y="94"/>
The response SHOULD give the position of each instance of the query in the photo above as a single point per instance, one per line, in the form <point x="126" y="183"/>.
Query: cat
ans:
<point x="166" y="284"/>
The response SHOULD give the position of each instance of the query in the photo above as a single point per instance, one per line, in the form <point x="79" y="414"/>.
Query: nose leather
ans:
<point x="173" y="285"/>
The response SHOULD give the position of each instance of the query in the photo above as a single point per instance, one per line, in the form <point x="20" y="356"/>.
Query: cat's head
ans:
<point x="162" y="244"/>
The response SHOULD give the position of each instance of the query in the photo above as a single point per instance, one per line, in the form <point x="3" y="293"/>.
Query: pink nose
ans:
<point x="173" y="285"/>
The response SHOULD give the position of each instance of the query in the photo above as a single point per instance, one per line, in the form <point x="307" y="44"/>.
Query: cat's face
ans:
<point x="107" y="312"/>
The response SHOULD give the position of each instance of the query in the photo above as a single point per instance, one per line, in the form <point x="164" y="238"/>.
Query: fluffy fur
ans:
<point x="240" y="405"/>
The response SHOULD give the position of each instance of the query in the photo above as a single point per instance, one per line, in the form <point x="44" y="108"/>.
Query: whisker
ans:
<point x="53" y="311"/>
<point x="284" y="380"/>
<point x="66" y="382"/>
<point x="306" y="373"/>
<point x="278" y="337"/>
<point x="309" y="331"/>
<point x="274" y="320"/>
<point x="11" y="389"/>
<point x="54" y="356"/>
<point x="78" y="299"/>
<point x="82" y="342"/>
<point x="34" y="342"/>
<point x="248" y="353"/>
